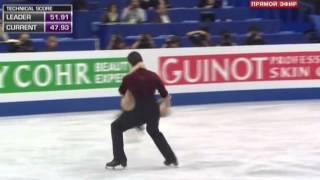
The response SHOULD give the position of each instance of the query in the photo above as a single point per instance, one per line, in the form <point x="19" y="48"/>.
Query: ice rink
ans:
<point x="258" y="141"/>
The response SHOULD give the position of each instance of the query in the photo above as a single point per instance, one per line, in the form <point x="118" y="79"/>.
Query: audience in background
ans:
<point x="52" y="43"/>
<point x="79" y="5"/>
<point x="172" y="42"/>
<point x="116" y="42"/>
<point x="3" y="36"/>
<point x="111" y="15"/>
<point x="254" y="37"/>
<point x="133" y="13"/>
<point x="144" y="42"/>
<point x="162" y="16"/>
<point x="24" y="44"/>
<point x="314" y="3"/>
<point x="312" y="36"/>
<point x="200" y="38"/>
<point x="153" y="4"/>
<point x="227" y="40"/>
<point x="209" y="4"/>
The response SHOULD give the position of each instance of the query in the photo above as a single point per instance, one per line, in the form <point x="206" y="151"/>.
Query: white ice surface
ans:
<point x="258" y="141"/>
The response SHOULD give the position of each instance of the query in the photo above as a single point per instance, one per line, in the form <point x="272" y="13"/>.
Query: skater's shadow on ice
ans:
<point x="188" y="166"/>
<point x="152" y="168"/>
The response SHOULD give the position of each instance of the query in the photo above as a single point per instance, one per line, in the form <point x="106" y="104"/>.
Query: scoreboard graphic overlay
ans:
<point x="37" y="18"/>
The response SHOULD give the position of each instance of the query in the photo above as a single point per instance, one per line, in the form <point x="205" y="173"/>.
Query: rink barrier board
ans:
<point x="25" y="90"/>
<point x="112" y="103"/>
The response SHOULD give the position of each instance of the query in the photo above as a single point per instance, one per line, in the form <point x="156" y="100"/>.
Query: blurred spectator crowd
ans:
<point x="134" y="13"/>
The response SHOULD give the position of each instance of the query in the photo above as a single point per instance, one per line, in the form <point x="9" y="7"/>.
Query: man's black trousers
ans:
<point x="146" y="112"/>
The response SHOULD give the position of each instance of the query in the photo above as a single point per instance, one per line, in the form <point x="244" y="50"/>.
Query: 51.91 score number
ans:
<point x="59" y="17"/>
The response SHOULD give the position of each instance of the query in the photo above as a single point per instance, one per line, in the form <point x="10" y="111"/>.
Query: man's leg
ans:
<point x="160" y="141"/>
<point x="123" y="123"/>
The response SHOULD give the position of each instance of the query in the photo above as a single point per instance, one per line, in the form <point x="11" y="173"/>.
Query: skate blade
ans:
<point x="172" y="166"/>
<point x="116" y="168"/>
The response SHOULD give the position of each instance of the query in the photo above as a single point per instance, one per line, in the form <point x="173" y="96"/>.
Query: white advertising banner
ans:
<point x="90" y="74"/>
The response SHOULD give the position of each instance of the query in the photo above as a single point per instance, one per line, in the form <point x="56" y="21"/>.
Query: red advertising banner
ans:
<point x="274" y="4"/>
<point x="200" y="69"/>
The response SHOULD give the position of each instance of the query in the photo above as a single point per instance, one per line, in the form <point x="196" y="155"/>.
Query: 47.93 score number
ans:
<point x="59" y="27"/>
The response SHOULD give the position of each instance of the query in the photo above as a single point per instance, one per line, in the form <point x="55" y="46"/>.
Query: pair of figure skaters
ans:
<point x="140" y="84"/>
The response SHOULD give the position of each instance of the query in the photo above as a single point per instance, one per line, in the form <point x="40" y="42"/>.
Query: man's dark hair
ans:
<point x="134" y="58"/>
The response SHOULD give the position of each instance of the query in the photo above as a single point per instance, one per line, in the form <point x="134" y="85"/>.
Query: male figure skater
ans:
<point x="142" y="83"/>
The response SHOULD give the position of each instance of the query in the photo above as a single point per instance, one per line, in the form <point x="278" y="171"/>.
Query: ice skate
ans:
<point x="114" y="163"/>
<point x="173" y="162"/>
